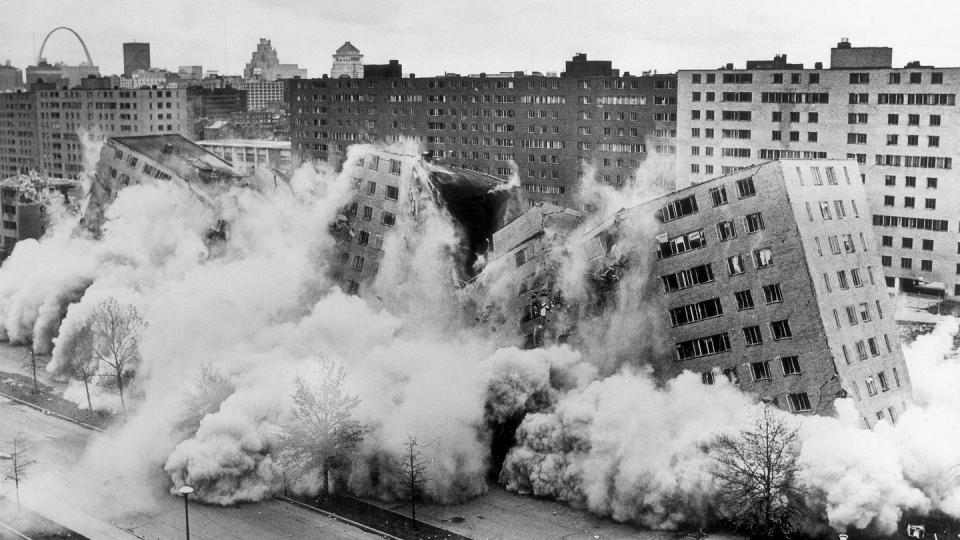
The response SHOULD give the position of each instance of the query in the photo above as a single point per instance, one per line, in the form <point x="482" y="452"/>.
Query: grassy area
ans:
<point x="33" y="525"/>
<point x="378" y="518"/>
<point x="21" y="387"/>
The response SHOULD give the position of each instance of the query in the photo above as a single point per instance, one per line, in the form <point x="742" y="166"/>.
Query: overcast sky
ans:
<point x="470" y="36"/>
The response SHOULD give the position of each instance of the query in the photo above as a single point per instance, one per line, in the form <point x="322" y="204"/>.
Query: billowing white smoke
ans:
<point x="598" y="431"/>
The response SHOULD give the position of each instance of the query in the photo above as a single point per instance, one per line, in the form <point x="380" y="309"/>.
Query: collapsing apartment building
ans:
<point x="768" y="276"/>
<point x="128" y="161"/>
<point x="386" y="184"/>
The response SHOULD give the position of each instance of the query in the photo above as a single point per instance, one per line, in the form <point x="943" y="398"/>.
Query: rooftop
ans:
<point x="246" y="143"/>
<point x="347" y="48"/>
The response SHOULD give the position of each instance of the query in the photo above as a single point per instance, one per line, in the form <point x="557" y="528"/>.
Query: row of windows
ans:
<point x="707" y="309"/>
<point x="857" y="313"/>
<point x="844" y="283"/>
<point x="907" y="243"/>
<point x="925" y="162"/>
<point x="718" y="343"/>
<point x="865" y="349"/>
<point x="892" y="119"/>
<point x="880" y="220"/>
<point x="914" y="77"/>
<point x="909" y="181"/>
<point x="910" y="202"/>
<point x="906" y="263"/>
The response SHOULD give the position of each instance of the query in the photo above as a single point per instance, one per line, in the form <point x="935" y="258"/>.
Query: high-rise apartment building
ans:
<point x="899" y="124"/>
<point x="767" y="276"/>
<point x="548" y="128"/>
<point x="135" y="56"/>
<point x="63" y="114"/>
<point x="19" y="144"/>
<point x="265" y="65"/>
<point x="264" y="94"/>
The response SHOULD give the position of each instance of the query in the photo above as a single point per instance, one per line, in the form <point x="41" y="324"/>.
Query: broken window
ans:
<point x="706" y="377"/>
<point x="754" y="222"/>
<point x="363" y="238"/>
<point x="745" y="188"/>
<point x="744" y="300"/>
<point x="389" y="219"/>
<point x="735" y="265"/>
<point x="763" y="258"/>
<point x="752" y="335"/>
<point x="718" y="195"/>
<point x="731" y="375"/>
<point x="681" y="244"/>
<point x="393" y="193"/>
<point x="367" y="213"/>
<point x="687" y="278"/>
<point x="799" y="402"/>
<point x="358" y="263"/>
<point x="790" y="365"/>
<point x="726" y="230"/>
<point x="760" y="371"/>
<point x="677" y="209"/>
<point x="704" y="346"/>
<point x="781" y="330"/>
<point x="772" y="294"/>
<point x="696" y="312"/>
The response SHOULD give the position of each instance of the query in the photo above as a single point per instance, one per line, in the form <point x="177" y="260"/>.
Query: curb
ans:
<point x="360" y="526"/>
<point x="48" y="412"/>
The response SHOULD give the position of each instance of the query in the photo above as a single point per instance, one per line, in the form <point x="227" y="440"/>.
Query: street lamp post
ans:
<point x="186" y="491"/>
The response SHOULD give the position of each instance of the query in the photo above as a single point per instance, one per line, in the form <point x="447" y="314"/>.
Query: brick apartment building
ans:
<point x="388" y="188"/>
<point x="549" y="126"/>
<point x="768" y="276"/>
<point x="899" y="124"/>
<point x="50" y="140"/>
<point x="22" y="212"/>
<point x="126" y="161"/>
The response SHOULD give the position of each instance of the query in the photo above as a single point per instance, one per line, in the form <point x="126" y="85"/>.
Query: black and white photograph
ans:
<point x="479" y="270"/>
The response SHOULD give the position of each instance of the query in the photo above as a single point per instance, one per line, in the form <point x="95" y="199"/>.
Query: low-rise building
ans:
<point x="22" y="209"/>
<point x="251" y="154"/>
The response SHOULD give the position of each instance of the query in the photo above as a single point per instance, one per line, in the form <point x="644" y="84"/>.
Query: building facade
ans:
<point x="263" y="94"/>
<point x="347" y="62"/>
<point x="11" y="78"/>
<point x="19" y="141"/>
<point x="767" y="276"/>
<point x="897" y="123"/>
<point x="136" y="56"/>
<point x="250" y="155"/>
<point x="551" y="128"/>
<point x="22" y="208"/>
<point x="63" y="114"/>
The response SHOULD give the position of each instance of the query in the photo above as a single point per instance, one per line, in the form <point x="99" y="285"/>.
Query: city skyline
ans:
<point x="533" y="36"/>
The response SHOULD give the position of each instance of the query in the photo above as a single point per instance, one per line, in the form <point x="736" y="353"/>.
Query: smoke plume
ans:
<point x="595" y="425"/>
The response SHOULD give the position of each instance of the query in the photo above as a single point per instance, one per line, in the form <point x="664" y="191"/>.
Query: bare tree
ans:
<point x="116" y="338"/>
<point x="79" y="352"/>
<point x="412" y="474"/>
<point x="323" y="430"/>
<point x="757" y="470"/>
<point x="30" y="360"/>
<point x="210" y="390"/>
<point x="16" y="470"/>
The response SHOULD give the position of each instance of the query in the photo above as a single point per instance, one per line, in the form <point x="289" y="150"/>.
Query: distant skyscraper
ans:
<point x="264" y="64"/>
<point x="135" y="56"/>
<point x="347" y="62"/>
<point x="11" y="78"/>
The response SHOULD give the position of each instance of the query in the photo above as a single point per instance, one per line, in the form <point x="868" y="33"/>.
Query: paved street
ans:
<point x="57" y="443"/>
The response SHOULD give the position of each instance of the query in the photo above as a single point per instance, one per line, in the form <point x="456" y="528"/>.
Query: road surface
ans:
<point x="57" y="445"/>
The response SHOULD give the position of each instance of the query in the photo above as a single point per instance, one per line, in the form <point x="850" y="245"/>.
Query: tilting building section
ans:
<point x="768" y="277"/>
<point x="387" y="184"/>
<point x="126" y="161"/>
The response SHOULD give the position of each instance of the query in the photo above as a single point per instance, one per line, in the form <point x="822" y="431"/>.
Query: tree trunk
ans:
<point x="33" y="362"/>
<point x="326" y="482"/>
<point x="413" y="489"/>
<point x="86" y="387"/>
<point x="123" y="405"/>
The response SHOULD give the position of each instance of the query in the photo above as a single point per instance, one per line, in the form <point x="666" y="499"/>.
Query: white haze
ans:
<point x="598" y="431"/>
